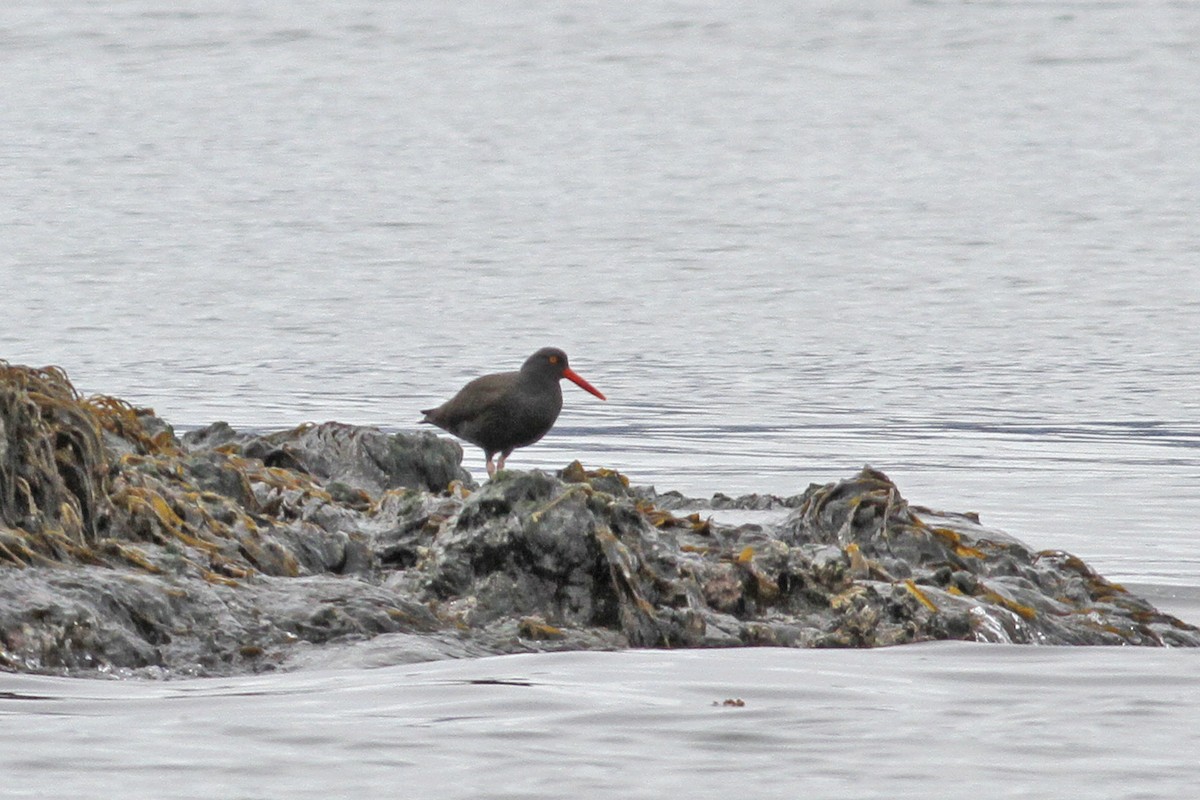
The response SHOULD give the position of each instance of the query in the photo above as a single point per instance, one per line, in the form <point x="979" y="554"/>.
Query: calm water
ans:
<point x="912" y="722"/>
<point x="956" y="241"/>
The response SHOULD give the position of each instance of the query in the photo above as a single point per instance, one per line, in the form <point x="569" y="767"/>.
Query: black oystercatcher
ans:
<point x="508" y="410"/>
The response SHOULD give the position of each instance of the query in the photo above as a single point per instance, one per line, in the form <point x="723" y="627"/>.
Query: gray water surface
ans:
<point x="954" y="240"/>
<point x="917" y="721"/>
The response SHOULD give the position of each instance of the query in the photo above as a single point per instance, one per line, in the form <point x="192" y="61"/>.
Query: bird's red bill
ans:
<point x="573" y="376"/>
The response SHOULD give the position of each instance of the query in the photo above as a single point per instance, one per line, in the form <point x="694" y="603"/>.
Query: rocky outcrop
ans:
<point x="125" y="549"/>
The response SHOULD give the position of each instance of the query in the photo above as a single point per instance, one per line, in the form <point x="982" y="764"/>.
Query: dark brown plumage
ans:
<point x="507" y="410"/>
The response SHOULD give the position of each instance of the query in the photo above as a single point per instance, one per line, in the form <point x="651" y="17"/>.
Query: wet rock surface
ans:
<point x="127" y="550"/>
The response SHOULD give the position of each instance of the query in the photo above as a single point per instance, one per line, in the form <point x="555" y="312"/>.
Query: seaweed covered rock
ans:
<point x="364" y="459"/>
<point x="126" y="550"/>
<point x="966" y="580"/>
<point x="53" y="469"/>
<point x="852" y="565"/>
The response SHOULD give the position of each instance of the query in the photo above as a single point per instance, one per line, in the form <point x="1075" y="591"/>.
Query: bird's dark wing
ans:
<point x="472" y="401"/>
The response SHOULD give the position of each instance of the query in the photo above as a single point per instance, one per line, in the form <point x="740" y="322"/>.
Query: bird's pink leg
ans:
<point x="492" y="467"/>
<point x="503" y="458"/>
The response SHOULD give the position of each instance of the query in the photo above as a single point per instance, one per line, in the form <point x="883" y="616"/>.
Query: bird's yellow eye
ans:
<point x="553" y="359"/>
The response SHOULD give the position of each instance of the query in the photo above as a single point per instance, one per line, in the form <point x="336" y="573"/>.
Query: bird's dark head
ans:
<point x="547" y="361"/>
<point x="550" y="362"/>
